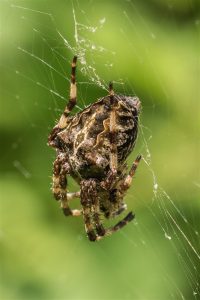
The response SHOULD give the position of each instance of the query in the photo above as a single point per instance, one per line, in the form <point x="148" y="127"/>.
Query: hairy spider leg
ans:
<point x="87" y="193"/>
<point x="113" y="134"/>
<point x="126" y="183"/>
<point x="116" y="204"/>
<point x="128" y="179"/>
<point x="97" y="221"/>
<point x="71" y="196"/>
<point x="72" y="98"/>
<point x="110" y="89"/>
<point x="91" y="210"/>
<point x="129" y="217"/>
<point x="70" y="105"/>
<point x="60" y="170"/>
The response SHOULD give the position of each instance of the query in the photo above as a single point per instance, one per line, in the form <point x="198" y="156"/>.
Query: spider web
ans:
<point x="51" y="49"/>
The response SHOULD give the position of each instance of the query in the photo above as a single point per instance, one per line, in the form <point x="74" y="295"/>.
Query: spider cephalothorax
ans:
<point x="92" y="147"/>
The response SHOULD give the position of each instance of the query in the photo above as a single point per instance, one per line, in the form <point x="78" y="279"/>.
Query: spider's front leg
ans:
<point x="62" y="123"/>
<point x="60" y="170"/>
<point x="91" y="210"/>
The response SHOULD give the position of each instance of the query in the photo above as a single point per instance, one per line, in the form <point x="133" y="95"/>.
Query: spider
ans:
<point x="92" y="147"/>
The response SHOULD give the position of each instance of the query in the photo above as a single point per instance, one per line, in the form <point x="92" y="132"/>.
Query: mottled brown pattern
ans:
<point x="92" y="147"/>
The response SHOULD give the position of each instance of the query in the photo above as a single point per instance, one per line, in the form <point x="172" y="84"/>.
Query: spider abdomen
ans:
<point x="87" y="137"/>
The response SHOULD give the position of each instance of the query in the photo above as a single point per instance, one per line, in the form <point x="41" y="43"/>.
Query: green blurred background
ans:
<point x="152" y="47"/>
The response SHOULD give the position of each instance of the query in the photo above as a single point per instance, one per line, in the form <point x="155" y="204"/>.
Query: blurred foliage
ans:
<point x="157" y="46"/>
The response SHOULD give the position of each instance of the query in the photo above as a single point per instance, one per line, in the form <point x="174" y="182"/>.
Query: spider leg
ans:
<point x="62" y="123"/>
<point x="109" y="182"/>
<point x="112" y="133"/>
<point x="60" y="169"/>
<point x="97" y="221"/>
<point x="109" y="231"/>
<point x="72" y="97"/>
<point x="125" y="184"/>
<point x="115" y="204"/>
<point x="128" y="179"/>
<point x="86" y="200"/>
<point x="120" y="210"/>
<point x="119" y="225"/>
<point x="71" y="196"/>
<point x="91" y="211"/>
